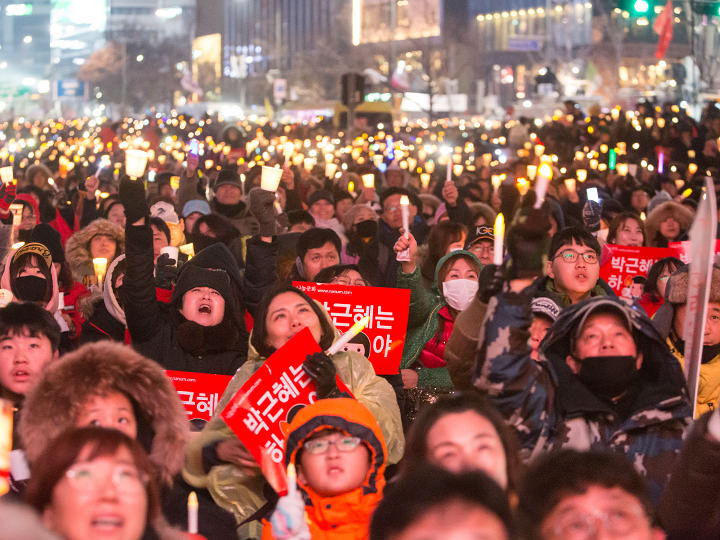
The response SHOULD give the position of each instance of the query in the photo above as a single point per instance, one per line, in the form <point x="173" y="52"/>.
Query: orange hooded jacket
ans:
<point x="346" y="516"/>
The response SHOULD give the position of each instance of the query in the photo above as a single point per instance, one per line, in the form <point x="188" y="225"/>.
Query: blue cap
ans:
<point x="196" y="205"/>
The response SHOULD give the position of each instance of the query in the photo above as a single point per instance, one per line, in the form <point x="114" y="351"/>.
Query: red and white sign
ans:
<point x="199" y="392"/>
<point x="383" y="339"/>
<point x="683" y="249"/>
<point x="620" y="264"/>
<point x="268" y="401"/>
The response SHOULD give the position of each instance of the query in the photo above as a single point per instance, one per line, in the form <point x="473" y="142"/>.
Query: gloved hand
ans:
<point x="165" y="271"/>
<point x="7" y="196"/>
<point x="319" y="366"/>
<point x="132" y="197"/>
<point x="288" y="518"/>
<point x="262" y="206"/>
<point x="591" y="215"/>
<point x="491" y="281"/>
<point x="528" y="240"/>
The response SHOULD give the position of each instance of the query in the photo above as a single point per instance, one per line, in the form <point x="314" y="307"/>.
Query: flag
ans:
<point x="664" y="28"/>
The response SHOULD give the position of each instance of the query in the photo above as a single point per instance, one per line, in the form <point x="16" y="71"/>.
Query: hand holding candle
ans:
<point x="192" y="511"/>
<point x="343" y="340"/>
<point x="544" y="176"/>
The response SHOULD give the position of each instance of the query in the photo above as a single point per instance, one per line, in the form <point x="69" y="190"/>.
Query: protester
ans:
<point x="218" y="460"/>
<point x="430" y="321"/>
<point x="626" y="229"/>
<point x="99" y="239"/>
<point x="109" y="385"/>
<point x="657" y="279"/>
<point x="571" y="494"/>
<point x="668" y="222"/>
<point x="670" y="323"/>
<point x="434" y="504"/>
<point x="93" y="482"/>
<point x="463" y="433"/>
<point x="338" y="451"/>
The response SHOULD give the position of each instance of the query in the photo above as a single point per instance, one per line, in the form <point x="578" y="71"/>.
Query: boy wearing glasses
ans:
<point x="573" y="267"/>
<point x="604" y="378"/>
<point x="339" y="453"/>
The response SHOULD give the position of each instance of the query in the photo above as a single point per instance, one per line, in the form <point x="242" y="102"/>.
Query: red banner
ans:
<point x="199" y="392"/>
<point x="620" y="265"/>
<point x="383" y="339"/>
<point x="268" y="401"/>
<point x="683" y="249"/>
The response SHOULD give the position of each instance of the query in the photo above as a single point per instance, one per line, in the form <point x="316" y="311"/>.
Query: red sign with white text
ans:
<point x="619" y="265"/>
<point x="683" y="249"/>
<point x="383" y="339"/>
<point x="269" y="399"/>
<point x="199" y="392"/>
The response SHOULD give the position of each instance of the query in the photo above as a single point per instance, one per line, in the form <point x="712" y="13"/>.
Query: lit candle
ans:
<point x="457" y="169"/>
<point x="330" y="170"/>
<point x="622" y="169"/>
<point x="100" y="266"/>
<point x="368" y="181"/>
<point x="496" y="180"/>
<point x="532" y="171"/>
<point x="581" y="175"/>
<point x="539" y="150"/>
<point x="687" y="193"/>
<point x="192" y="510"/>
<point x="570" y="184"/>
<point x="661" y="162"/>
<point x="17" y="211"/>
<point x="405" y="209"/>
<point x="692" y="168"/>
<point x="499" y="234"/>
<point x="593" y="163"/>
<point x="425" y="180"/>
<point x="6" y="173"/>
<point x="354" y="330"/>
<point x="270" y="178"/>
<point x="187" y="249"/>
<point x="523" y="186"/>
<point x="545" y="174"/>
<point x="135" y="162"/>
<point x="642" y="216"/>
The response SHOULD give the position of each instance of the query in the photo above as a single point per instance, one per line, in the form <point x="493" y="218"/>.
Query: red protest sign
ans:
<point x="619" y="265"/>
<point x="683" y="249"/>
<point x="269" y="399"/>
<point x="199" y="392"/>
<point x="383" y="338"/>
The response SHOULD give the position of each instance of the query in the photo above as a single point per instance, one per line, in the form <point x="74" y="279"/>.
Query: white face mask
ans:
<point x="460" y="292"/>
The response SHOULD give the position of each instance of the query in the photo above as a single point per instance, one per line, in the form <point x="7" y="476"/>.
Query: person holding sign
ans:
<point x="216" y="459"/>
<point x="338" y="450"/>
<point x="670" y="320"/>
<point x="431" y="319"/>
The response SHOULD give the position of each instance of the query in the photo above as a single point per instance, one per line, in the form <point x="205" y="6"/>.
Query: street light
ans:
<point x="641" y="6"/>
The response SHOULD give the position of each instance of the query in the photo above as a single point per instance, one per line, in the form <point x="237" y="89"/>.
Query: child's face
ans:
<point x="22" y="359"/>
<point x="334" y="472"/>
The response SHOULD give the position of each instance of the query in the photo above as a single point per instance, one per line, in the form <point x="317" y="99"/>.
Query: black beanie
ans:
<point x="47" y="236"/>
<point x="192" y="276"/>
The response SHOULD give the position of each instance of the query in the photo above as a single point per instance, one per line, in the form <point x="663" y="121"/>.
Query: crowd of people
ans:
<point x="530" y="401"/>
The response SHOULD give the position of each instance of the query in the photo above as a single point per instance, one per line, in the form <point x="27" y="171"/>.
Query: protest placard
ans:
<point x="625" y="269"/>
<point x="268" y="401"/>
<point x="383" y="338"/>
<point x="199" y="392"/>
<point x="684" y="248"/>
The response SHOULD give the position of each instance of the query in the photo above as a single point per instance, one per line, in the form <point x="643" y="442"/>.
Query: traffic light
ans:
<point x="640" y="7"/>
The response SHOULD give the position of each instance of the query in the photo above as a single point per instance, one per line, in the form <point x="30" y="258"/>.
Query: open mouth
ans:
<point x="205" y="308"/>
<point x="107" y="523"/>
<point x="21" y="374"/>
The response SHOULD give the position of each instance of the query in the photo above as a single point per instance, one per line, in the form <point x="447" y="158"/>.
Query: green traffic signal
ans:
<point x="641" y="6"/>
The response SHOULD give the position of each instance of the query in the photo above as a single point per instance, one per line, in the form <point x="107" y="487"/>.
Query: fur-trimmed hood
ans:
<point x="99" y="368"/>
<point x="661" y="212"/>
<point x="77" y="249"/>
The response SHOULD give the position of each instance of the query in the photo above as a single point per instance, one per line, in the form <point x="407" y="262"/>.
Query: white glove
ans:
<point x="288" y="520"/>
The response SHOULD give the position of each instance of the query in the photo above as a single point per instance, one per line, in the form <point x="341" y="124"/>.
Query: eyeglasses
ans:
<point x="582" y="526"/>
<point x="89" y="477"/>
<point x="571" y="256"/>
<point x="342" y="444"/>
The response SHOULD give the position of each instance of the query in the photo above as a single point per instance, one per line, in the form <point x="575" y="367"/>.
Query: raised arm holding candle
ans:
<point x="404" y="255"/>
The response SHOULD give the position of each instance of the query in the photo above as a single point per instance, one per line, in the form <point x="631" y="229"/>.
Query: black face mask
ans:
<point x="367" y="228"/>
<point x="608" y="376"/>
<point x="31" y="288"/>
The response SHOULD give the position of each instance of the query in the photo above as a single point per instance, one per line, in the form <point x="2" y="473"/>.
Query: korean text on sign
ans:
<point x="199" y="392"/>
<point x="382" y="340"/>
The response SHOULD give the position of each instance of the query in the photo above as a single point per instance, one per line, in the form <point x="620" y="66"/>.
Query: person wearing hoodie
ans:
<point x="202" y="328"/>
<point x="431" y="319"/>
<point x="670" y="321"/>
<point x="109" y="385"/>
<point x="217" y="460"/>
<point x="99" y="238"/>
<point x="338" y="451"/>
<point x="105" y="315"/>
<point x="604" y="378"/>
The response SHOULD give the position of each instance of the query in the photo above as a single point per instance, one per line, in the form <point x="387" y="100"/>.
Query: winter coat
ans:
<point x="245" y="495"/>
<point x="52" y="406"/>
<point x="550" y="408"/>
<point x="546" y="285"/>
<point x="77" y="249"/>
<point x="105" y="319"/>
<point x="708" y="394"/>
<point x="156" y="328"/>
<point x="660" y="213"/>
<point x="345" y="516"/>
<point x="424" y="320"/>
<point x="690" y="507"/>
<point x="461" y="347"/>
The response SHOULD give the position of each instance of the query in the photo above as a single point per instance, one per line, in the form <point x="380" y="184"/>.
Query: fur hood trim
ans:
<point x="661" y="212"/>
<point x="54" y="402"/>
<point x="77" y="249"/>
